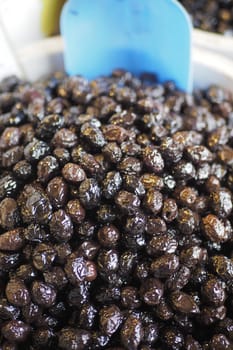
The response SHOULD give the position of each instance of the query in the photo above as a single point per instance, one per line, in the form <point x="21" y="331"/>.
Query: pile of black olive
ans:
<point x="211" y="15"/>
<point x="115" y="215"/>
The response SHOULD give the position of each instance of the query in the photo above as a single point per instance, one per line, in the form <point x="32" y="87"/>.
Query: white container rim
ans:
<point x="214" y="42"/>
<point x="45" y="56"/>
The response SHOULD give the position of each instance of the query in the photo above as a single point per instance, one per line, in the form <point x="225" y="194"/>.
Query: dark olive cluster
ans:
<point x="115" y="215"/>
<point x="211" y="15"/>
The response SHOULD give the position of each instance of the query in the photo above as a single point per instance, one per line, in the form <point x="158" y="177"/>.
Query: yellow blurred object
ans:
<point x="50" y="16"/>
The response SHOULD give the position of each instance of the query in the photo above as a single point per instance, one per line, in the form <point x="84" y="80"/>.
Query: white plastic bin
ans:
<point x="20" y="25"/>
<point x="217" y="43"/>
<point x="45" y="56"/>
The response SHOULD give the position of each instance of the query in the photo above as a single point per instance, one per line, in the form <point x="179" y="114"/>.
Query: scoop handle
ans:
<point x="51" y="10"/>
<point x="148" y="35"/>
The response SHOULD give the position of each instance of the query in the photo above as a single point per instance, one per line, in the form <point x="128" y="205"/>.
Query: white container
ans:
<point x="21" y="20"/>
<point x="41" y="58"/>
<point x="20" y="25"/>
<point x="45" y="56"/>
<point x="214" y="42"/>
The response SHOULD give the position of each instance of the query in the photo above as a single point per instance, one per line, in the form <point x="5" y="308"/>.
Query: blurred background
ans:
<point x="28" y="28"/>
<point x="23" y="22"/>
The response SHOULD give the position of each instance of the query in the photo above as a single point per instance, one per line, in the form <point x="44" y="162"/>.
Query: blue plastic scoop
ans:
<point x="137" y="35"/>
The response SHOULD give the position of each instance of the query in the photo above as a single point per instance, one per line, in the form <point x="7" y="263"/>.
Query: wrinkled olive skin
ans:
<point x="116" y="210"/>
